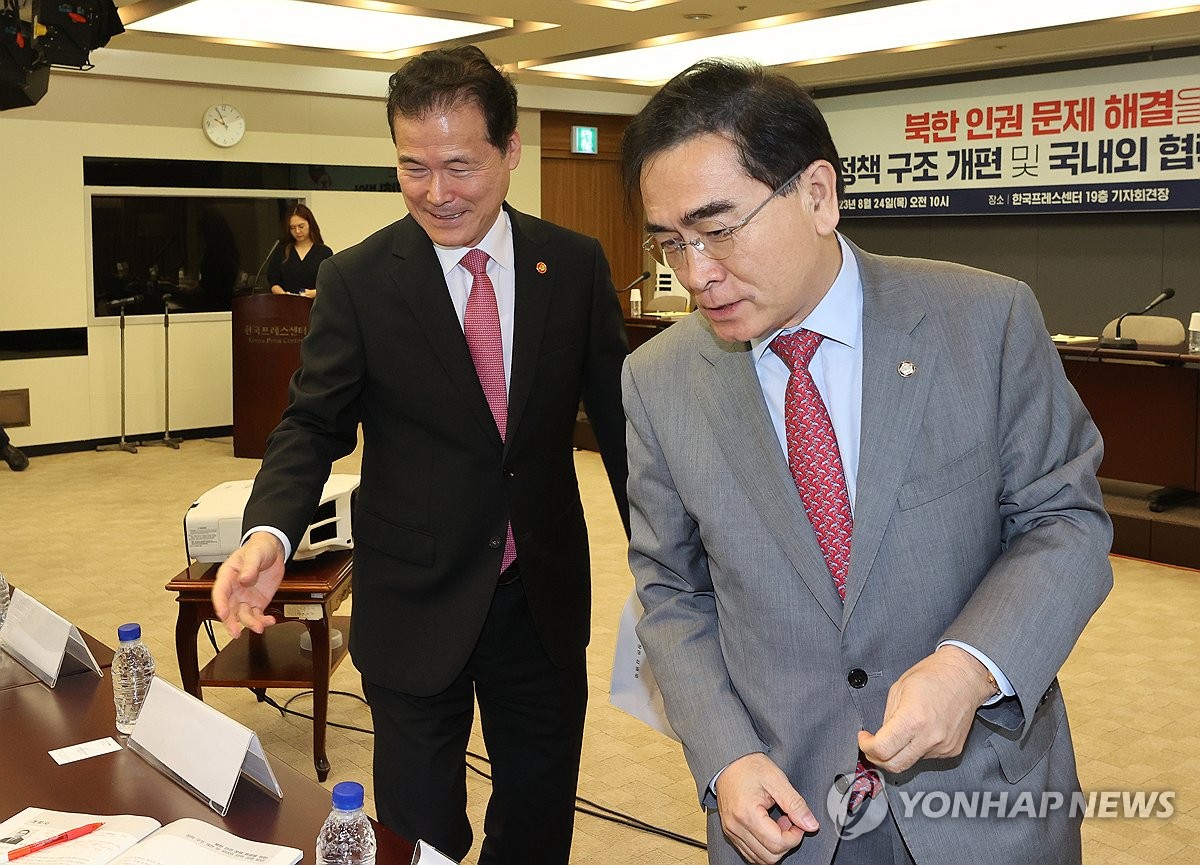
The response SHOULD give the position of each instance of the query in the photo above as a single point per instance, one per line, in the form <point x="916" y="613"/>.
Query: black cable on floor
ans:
<point x="602" y="812"/>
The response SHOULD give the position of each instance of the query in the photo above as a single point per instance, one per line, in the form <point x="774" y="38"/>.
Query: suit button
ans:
<point x="510" y="475"/>
<point x="857" y="678"/>
<point x="495" y="543"/>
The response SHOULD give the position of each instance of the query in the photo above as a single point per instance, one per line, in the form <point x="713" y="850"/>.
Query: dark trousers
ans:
<point x="532" y="715"/>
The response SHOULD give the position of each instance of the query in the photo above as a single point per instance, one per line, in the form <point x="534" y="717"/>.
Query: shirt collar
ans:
<point x="497" y="243"/>
<point x="837" y="315"/>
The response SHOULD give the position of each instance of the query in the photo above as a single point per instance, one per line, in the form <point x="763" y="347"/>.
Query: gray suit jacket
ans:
<point x="978" y="518"/>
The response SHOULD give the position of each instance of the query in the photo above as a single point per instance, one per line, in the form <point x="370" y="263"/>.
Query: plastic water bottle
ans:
<point x="346" y="838"/>
<point x="1194" y="334"/>
<point x="3" y="599"/>
<point x="132" y="673"/>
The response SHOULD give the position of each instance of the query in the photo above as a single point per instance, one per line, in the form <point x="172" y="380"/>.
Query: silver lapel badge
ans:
<point x="907" y="369"/>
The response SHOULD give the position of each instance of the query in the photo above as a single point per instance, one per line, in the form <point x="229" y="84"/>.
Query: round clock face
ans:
<point x="224" y="125"/>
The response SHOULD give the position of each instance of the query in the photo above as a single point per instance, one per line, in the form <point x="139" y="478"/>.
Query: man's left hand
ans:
<point x="929" y="710"/>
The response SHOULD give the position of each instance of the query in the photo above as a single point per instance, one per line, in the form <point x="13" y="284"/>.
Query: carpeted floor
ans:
<point x="96" y="536"/>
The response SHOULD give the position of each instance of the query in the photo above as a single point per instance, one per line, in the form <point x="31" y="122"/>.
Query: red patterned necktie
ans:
<point x="816" y="465"/>
<point x="481" y="324"/>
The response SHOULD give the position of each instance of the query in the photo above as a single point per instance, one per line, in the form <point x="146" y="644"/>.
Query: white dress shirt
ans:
<point x="498" y="244"/>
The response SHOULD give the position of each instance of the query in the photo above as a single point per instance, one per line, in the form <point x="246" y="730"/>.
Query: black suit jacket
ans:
<point x="385" y="349"/>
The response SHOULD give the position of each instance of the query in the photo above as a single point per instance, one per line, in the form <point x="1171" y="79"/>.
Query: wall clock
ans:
<point x="224" y="125"/>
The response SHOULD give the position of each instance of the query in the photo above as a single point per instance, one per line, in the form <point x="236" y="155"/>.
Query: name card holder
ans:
<point x="426" y="854"/>
<point x="202" y="750"/>
<point x="45" y="643"/>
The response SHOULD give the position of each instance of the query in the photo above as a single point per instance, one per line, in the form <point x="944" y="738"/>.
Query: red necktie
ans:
<point x="481" y="324"/>
<point x="816" y="465"/>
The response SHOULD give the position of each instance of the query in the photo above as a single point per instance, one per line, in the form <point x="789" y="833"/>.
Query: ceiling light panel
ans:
<point x="311" y="25"/>
<point x="779" y="41"/>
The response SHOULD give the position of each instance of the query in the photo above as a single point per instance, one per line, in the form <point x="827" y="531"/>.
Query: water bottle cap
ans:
<point x="348" y="795"/>
<point x="130" y="631"/>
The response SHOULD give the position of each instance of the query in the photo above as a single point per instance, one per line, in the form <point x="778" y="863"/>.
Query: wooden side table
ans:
<point x="310" y="593"/>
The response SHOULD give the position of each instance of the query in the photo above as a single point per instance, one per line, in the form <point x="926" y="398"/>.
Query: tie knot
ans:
<point x="797" y="349"/>
<point x="476" y="262"/>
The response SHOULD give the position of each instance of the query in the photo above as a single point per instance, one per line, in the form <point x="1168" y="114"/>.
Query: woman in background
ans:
<point x="293" y="267"/>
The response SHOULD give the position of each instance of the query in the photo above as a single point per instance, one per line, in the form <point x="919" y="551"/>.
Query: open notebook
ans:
<point x="130" y="840"/>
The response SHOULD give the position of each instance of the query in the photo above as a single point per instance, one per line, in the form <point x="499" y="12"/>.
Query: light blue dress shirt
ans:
<point x="837" y="371"/>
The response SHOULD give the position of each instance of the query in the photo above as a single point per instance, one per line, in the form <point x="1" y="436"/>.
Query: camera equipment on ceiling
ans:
<point x="38" y="34"/>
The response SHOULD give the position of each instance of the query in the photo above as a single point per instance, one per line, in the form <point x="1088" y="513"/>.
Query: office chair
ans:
<point x="676" y="303"/>
<point x="1152" y="332"/>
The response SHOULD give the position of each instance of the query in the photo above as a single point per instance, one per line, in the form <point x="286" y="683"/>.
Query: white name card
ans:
<point x="204" y="751"/>
<point x="427" y="854"/>
<point x="45" y="643"/>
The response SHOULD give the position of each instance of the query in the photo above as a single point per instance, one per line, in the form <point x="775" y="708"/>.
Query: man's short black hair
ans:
<point x="445" y="79"/>
<point x="771" y="120"/>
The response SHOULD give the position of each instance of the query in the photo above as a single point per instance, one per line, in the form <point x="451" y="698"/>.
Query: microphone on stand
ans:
<point x="124" y="301"/>
<point x="1117" y="341"/>
<point x="645" y="275"/>
<point x="270" y="252"/>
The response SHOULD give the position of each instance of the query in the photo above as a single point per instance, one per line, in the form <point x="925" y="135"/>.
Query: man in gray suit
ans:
<point x="866" y="527"/>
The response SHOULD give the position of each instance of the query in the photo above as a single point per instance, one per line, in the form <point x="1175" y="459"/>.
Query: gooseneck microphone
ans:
<point x="1167" y="294"/>
<point x="270" y="252"/>
<point x="645" y="275"/>
<point x="1117" y="341"/>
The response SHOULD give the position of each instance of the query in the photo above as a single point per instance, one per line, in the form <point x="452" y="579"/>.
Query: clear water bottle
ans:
<point x="132" y="673"/>
<point x="3" y="599"/>
<point x="346" y="838"/>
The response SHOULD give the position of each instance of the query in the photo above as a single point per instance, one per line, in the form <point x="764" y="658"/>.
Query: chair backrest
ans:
<point x="670" y="303"/>
<point x="1152" y="332"/>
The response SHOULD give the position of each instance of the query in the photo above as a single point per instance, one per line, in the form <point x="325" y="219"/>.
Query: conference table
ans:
<point x="36" y="719"/>
<point x="1147" y="406"/>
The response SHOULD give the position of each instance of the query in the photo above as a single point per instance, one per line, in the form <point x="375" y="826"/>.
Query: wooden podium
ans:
<point x="267" y="330"/>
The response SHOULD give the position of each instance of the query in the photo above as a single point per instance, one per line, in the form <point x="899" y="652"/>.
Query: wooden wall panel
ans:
<point x="583" y="192"/>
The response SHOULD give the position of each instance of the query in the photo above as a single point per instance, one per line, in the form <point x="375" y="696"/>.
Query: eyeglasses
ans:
<point x="715" y="239"/>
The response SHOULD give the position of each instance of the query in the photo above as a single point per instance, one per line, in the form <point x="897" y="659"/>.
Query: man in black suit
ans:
<point x="454" y="487"/>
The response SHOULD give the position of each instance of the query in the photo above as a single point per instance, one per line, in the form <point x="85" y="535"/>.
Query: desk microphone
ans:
<point x="270" y="252"/>
<point x="1117" y="341"/>
<point x="122" y="301"/>
<point x="645" y="275"/>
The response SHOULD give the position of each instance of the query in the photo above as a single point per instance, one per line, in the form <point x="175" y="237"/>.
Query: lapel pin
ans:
<point x="907" y="369"/>
<point x="541" y="268"/>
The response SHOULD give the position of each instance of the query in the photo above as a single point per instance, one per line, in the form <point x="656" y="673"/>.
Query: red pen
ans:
<point x="69" y="835"/>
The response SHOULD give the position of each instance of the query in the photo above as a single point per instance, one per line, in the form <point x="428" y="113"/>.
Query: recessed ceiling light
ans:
<point x="698" y="16"/>
<point x="311" y="25"/>
<point x="783" y="40"/>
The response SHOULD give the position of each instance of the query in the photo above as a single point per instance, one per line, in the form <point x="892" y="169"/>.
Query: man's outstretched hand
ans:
<point x="246" y="583"/>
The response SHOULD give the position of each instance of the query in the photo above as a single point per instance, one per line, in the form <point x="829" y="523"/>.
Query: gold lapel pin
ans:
<point x="907" y="369"/>
<point x="541" y="268"/>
